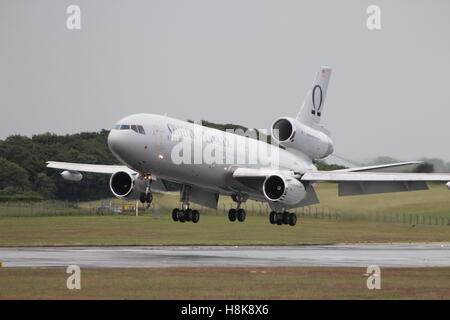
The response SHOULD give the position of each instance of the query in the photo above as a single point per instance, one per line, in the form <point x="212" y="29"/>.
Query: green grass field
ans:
<point x="428" y="203"/>
<point x="57" y="225"/>
<point x="433" y="202"/>
<point x="226" y="283"/>
<point x="84" y="226"/>
<point x="211" y="230"/>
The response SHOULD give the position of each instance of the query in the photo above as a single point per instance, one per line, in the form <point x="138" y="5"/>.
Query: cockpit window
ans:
<point x="141" y="129"/>
<point x="134" y="127"/>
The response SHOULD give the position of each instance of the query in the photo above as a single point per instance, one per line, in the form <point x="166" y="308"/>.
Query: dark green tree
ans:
<point x="13" y="177"/>
<point x="44" y="185"/>
<point x="322" y="166"/>
<point x="424" y="168"/>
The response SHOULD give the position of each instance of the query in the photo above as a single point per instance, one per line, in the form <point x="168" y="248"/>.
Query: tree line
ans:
<point x="23" y="165"/>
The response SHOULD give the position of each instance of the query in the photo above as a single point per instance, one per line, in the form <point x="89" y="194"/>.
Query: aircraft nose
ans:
<point x="113" y="141"/>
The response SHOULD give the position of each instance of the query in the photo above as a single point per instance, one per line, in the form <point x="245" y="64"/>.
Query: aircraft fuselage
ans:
<point x="157" y="152"/>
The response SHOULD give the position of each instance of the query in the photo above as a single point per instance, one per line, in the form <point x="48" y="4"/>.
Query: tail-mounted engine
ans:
<point x="293" y="134"/>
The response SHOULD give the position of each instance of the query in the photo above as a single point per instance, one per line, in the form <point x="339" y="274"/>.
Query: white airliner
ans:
<point x="145" y="144"/>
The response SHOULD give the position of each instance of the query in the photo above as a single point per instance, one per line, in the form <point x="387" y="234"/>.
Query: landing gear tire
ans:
<point x="182" y="216"/>
<point x="143" y="197"/>
<point x="283" y="218"/>
<point x="232" y="215"/>
<point x="185" y="215"/>
<point x="279" y="219"/>
<point x="273" y="217"/>
<point x="292" y="219"/>
<point x="241" y="215"/>
<point x="188" y="214"/>
<point x="175" y="214"/>
<point x="195" y="216"/>
<point x="286" y="217"/>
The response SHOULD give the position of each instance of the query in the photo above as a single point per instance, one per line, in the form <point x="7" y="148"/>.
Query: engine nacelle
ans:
<point x="284" y="190"/>
<point x="127" y="186"/>
<point x="448" y="185"/>
<point x="293" y="134"/>
<point x="71" y="175"/>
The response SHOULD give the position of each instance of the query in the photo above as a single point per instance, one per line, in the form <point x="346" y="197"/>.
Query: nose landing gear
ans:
<point x="147" y="197"/>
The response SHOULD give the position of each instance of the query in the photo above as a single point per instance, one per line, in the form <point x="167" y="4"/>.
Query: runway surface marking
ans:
<point x="387" y="255"/>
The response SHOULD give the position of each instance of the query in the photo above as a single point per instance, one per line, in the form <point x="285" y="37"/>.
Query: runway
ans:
<point x="386" y="255"/>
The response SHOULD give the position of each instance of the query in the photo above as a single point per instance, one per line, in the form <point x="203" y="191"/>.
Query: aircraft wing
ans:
<point x="380" y="167"/>
<point x="351" y="182"/>
<point x="93" y="168"/>
<point x="157" y="184"/>
<point x="339" y="176"/>
<point x="357" y="183"/>
<point x="259" y="172"/>
<point x="264" y="172"/>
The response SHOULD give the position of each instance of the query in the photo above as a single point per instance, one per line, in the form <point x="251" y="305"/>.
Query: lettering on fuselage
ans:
<point x="201" y="145"/>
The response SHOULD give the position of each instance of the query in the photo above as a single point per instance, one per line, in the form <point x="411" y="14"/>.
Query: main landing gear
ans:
<point x="280" y="218"/>
<point x="237" y="213"/>
<point x="185" y="214"/>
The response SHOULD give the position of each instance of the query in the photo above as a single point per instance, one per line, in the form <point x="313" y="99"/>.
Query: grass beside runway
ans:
<point x="211" y="230"/>
<point x="45" y="224"/>
<point x="428" y="203"/>
<point x="226" y="283"/>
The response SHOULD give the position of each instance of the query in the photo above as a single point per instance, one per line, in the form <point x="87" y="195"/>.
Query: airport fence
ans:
<point x="326" y="213"/>
<point x="46" y="209"/>
<point x="158" y="210"/>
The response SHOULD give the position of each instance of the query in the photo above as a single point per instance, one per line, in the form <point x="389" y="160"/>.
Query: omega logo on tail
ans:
<point x="319" y="98"/>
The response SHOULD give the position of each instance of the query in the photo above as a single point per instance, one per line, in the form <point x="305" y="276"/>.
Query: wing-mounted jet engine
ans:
<point x="283" y="190"/>
<point x="71" y="175"/>
<point x="128" y="186"/>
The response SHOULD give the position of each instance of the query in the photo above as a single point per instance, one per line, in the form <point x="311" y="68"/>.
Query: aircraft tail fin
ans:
<point x="312" y="107"/>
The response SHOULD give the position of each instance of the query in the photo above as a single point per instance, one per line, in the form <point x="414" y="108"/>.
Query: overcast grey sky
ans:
<point x="238" y="61"/>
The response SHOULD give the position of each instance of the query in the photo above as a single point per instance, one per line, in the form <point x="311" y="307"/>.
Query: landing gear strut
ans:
<point x="147" y="197"/>
<point x="185" y="214"/>
<point x="280" y="218"/>
<point x="237" y="213"/>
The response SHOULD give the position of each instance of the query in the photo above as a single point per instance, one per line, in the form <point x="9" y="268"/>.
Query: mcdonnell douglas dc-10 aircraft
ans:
<point x="159" y="152"/>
